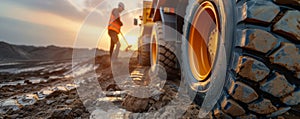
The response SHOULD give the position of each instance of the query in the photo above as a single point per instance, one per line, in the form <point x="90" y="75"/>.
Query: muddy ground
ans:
<point x="48" y="90"/>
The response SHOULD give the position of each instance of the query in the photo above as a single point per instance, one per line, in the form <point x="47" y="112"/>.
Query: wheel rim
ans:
<point x="154" y="51"/>
<point x="203" y="40"/>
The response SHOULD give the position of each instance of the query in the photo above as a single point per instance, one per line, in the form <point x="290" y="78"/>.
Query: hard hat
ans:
<point x="122" y="5"/>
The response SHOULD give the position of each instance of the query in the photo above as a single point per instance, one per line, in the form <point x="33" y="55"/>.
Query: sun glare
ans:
<point x="132" y="40"/>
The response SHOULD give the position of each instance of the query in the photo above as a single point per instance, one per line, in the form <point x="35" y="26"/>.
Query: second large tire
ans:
<point x="144" y="51"/>
<point x="162" y="52"/>
<point x="144" y="45"/>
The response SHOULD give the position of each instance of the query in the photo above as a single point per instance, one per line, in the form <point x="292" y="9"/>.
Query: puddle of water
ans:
<point x="48" y="62"/>
<point x="9" y="64"/>
<point x="33" y="69"/>
<point x="55" y="77"/>
<point x="36" y="80"/>
<point x="14" y="83"/>
<point x="55" y="70"/>
<point x="11" y="70"/>
<point x="78" y="70"/>
<point x="58" y="67"/>
<point x="33" y="80"/>
<point x="17" y="70"/>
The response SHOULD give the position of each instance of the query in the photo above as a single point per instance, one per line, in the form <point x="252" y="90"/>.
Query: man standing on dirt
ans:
<point x="114" y="28"/>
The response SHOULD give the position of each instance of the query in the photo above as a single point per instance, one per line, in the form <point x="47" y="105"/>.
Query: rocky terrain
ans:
<point x="92" y="89"/>
<point x="48" y="90"/>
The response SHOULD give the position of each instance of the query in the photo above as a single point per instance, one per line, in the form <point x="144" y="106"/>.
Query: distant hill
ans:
<point x="22" y="52"/>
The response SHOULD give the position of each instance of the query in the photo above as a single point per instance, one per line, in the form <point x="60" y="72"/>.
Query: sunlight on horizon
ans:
<point x="49" y="27"/>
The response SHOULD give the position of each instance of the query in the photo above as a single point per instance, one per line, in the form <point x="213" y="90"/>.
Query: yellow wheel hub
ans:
<point x="203" y="41"/>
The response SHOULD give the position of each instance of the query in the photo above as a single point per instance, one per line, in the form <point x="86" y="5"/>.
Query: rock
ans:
<point x="280" y="117"/>
<point x="252" y="69"/>
<point x="156" y="97"/>
<point x="43" y="94"/>
<point x="63" y="96"/>
<point x="232" y="108"/>
<point x="59" y="88"/>
<point x="242" y="92"/>
<point x="191" y="112"/>
<point x="289" y="25"/>
<point x="257" y="40"/>
<point x="116" y="93"/>
<point x="135" y="104"/>
<point x="70" y="87"/>
<point x="69" y="101"/>
<point x="258" y="11"/>
<point x="35" y="80"/>
<point x="9" y="104"/>
<point x="248" y="116"/>
<point x="263" y="106"/>
<point x="158" y="105"/>
<point x="110" y="99"/>
<point x="27" y="82"/>
<point x="27" y="99"/>
<point x="14" y="116"/>
<point x="54" y="77"/>
<point x="288" y="2"/>
<point x="62" y="113"/>
<point x="87" y="103"/>
<point x="292" y="99"/>
<point x="280" y="111"/>
<point x="288" y="57"/>
<point x="78" y="112"/>
<point x="49" y="102"/>
<point x="278" y="86"/>
<point x="297" y="74"/>
<point x="166" y="98"/>
<point x="219" y="114"/>
<point x="168" y="112"/>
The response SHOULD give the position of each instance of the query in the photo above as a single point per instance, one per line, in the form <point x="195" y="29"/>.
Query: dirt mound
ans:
<point x="103" y="61"/>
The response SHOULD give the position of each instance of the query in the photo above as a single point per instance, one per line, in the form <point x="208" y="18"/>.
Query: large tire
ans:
<point x="263" y="72"/>
<point x="165" y="52"/>
<point x="144" y="51"/>
<point x="144" y="45"/>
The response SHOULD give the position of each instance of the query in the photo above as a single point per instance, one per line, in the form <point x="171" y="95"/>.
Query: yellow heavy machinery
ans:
<point x="145" y="35"/>
<point x="187" y="38"/>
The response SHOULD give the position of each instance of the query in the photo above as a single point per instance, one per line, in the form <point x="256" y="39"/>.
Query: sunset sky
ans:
<point x="59" y="22"/>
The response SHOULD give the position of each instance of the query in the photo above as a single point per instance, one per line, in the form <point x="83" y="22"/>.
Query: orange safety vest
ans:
<point x="113" y="24"/>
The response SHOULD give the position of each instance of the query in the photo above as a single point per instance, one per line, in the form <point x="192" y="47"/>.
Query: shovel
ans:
<point x="128" y="46"/>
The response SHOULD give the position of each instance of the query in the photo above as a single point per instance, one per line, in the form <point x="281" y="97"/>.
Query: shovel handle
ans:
<point x="124" y="39"/>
